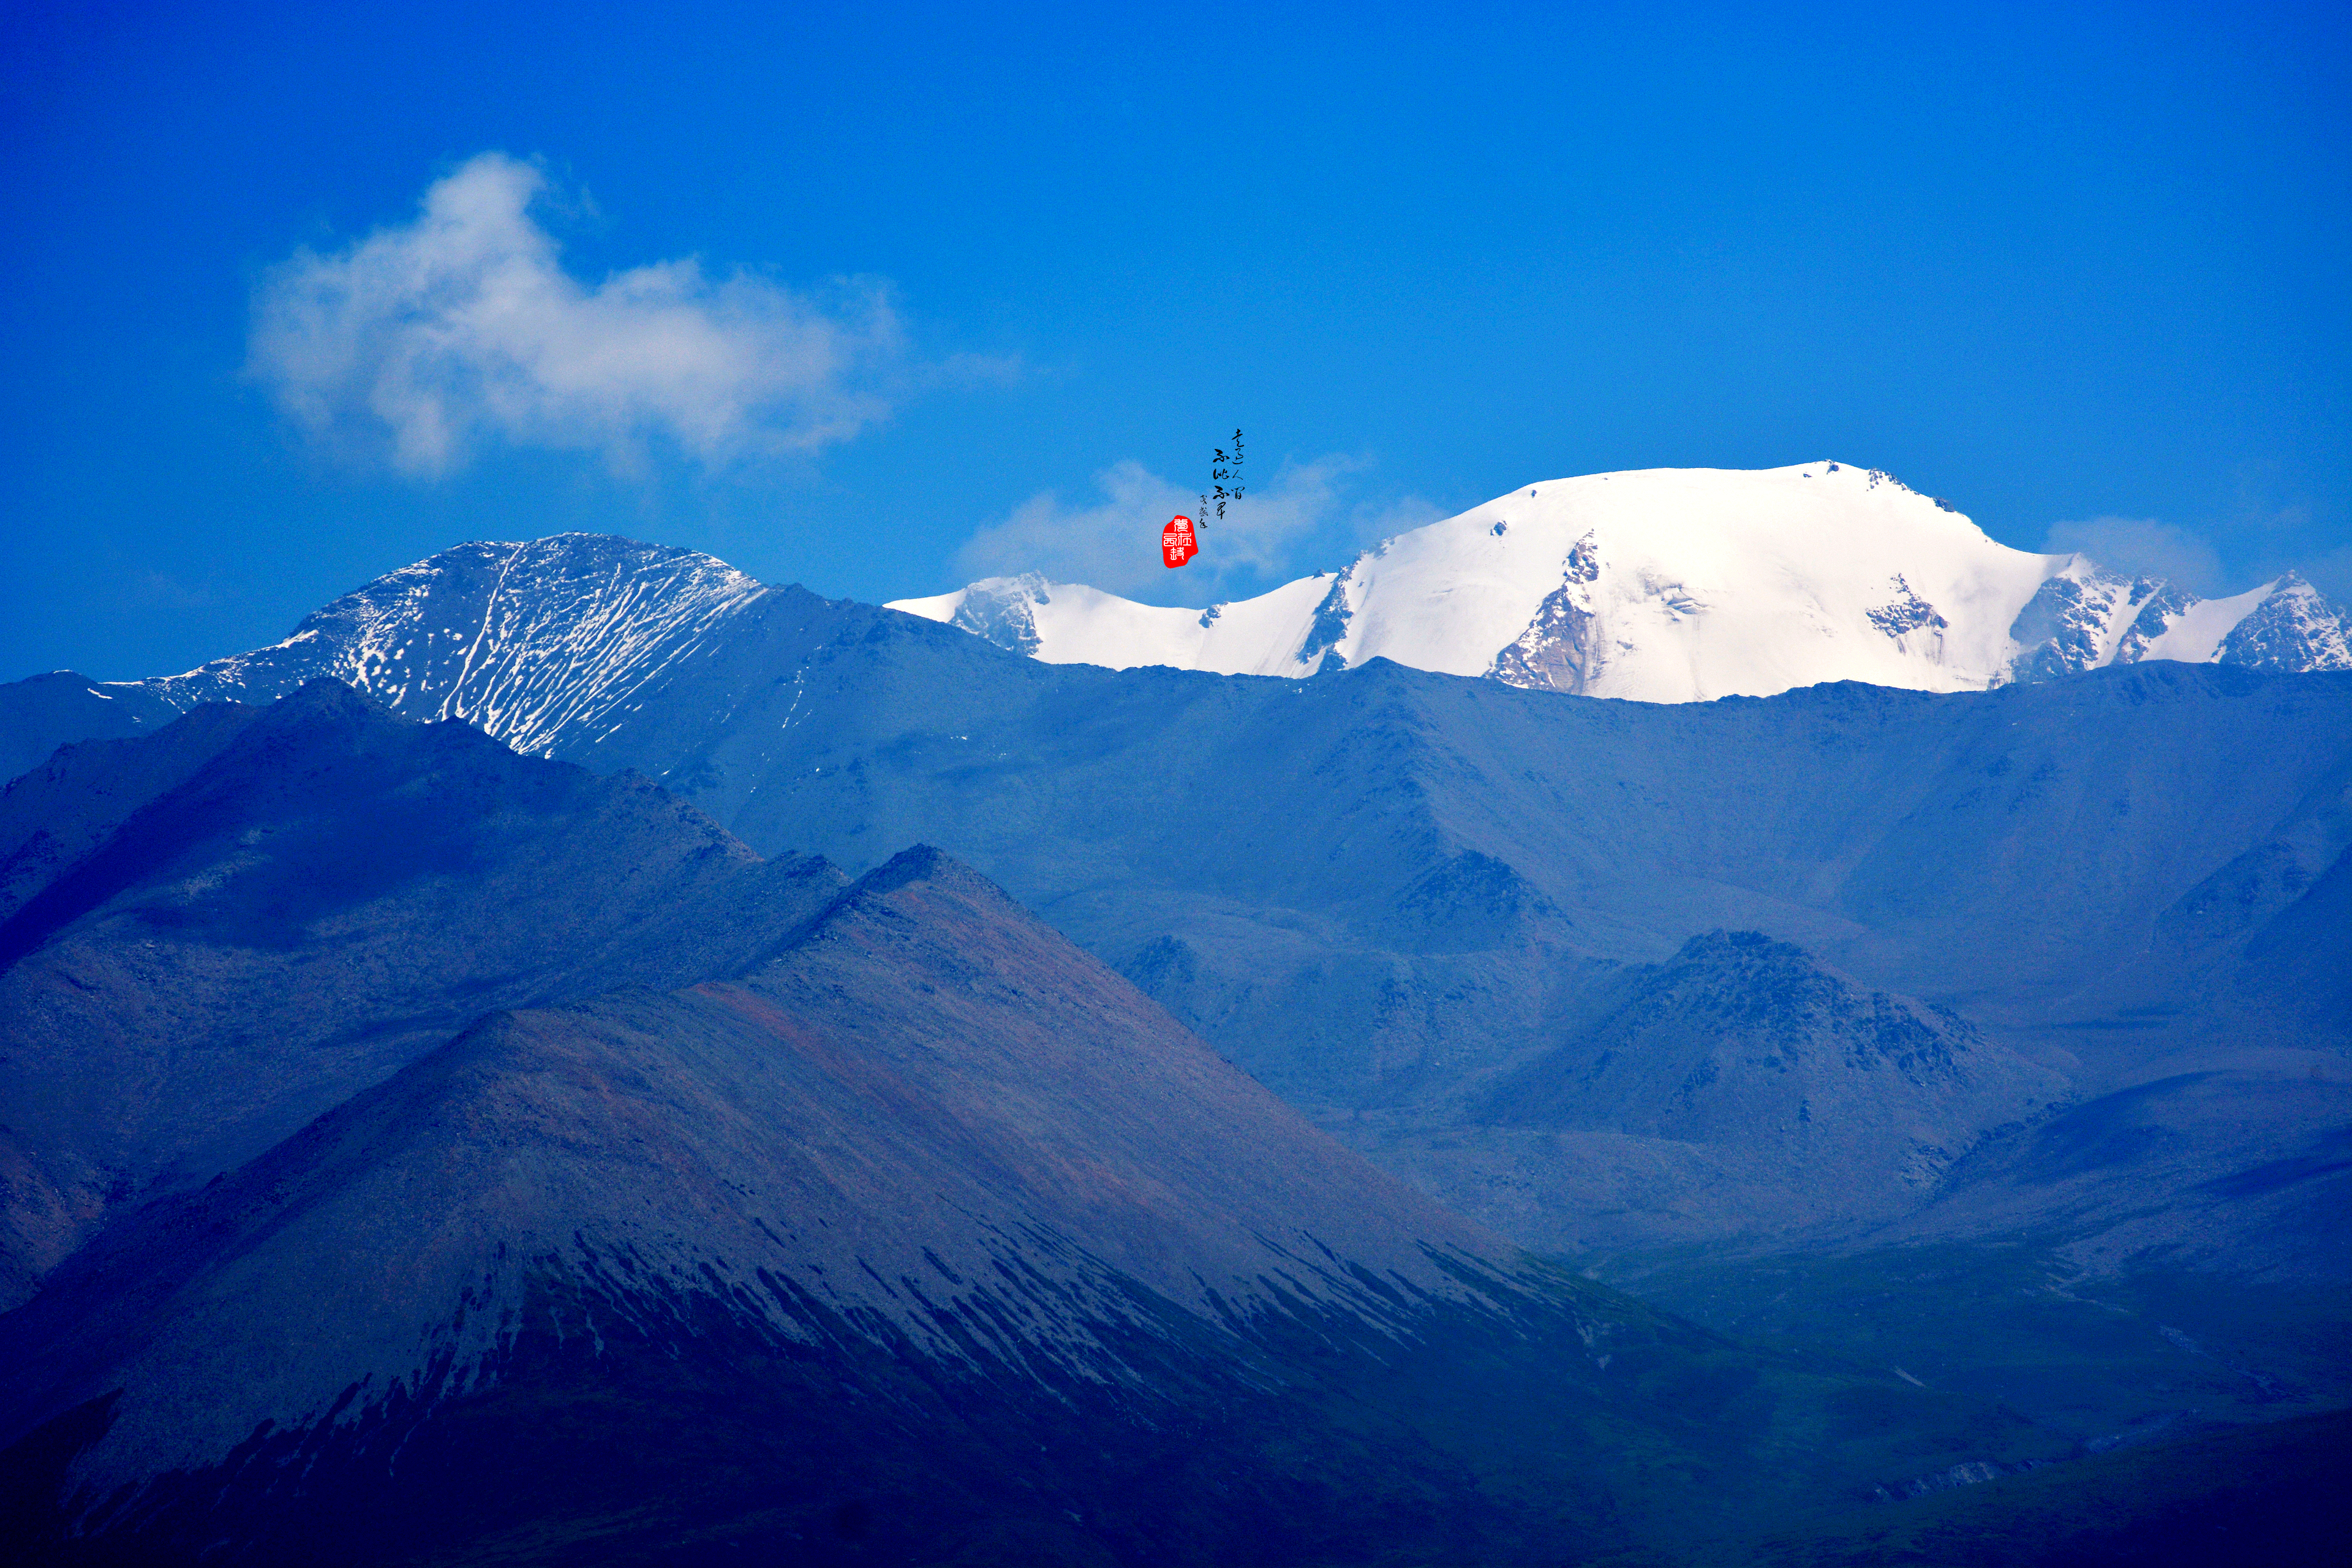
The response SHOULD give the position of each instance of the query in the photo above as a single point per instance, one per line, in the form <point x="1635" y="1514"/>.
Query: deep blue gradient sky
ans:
<point x="2059" y="268"/>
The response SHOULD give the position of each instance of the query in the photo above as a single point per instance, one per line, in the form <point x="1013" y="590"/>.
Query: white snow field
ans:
<point x="1680" y="585"/>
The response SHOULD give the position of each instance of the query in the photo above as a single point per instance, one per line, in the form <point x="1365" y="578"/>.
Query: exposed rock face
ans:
<point x="1002" y="610"/>
<point x="2085" y="618"/>
<point x="2294" y="628"/>
<point x="1907" y="616"/>
<point x="2074" y="620"/>
<point x="1329" y="626"/>
<point x="2159" y="613"/>
<point x="1559" y="651"/>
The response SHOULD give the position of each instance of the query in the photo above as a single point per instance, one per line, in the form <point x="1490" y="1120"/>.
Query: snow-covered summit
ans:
<point x="1681" y="584"/>
<point x="1667" y="585"/>
<point x="526" y="640"/>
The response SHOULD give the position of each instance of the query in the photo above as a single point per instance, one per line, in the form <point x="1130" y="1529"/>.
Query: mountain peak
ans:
<point x="1773" y="1061"/>
<point x="1672" y="586"/>
<point x="2293" y="627"/>
<point x="923" y="863"/>
<point x="521" y="639"/>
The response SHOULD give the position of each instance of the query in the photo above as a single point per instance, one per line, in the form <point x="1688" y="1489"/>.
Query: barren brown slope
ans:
<point x="929" y="1236"/>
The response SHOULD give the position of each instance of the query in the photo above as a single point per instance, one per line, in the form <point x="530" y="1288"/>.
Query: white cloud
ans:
<point x="2141" y="547"/>
<point x="1113" y="542"/>
<point x="425" y="337"/>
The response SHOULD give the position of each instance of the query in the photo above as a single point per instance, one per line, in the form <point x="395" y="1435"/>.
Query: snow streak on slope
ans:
<point x="1681" y="584"/>
<point x="530" y="642"/>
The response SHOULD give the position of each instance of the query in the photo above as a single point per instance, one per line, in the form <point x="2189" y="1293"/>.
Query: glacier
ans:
<point x="1682" y="585"/>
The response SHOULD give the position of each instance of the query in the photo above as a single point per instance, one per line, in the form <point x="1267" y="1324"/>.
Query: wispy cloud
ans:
<point x="2143" y="547"/>
<point x="1112" y="541"/>
<point x="151" y="589"/>
<point x="2332" y="574"/>
<point x="424" y="338"/>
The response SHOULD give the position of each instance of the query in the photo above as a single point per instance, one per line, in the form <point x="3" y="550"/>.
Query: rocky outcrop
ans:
<point x="2085" y="618"/>
<point x="1002" y="610"/>
<point x="1559" y="650"/>
<point x="2070" y="624"/>
<point x="2294" y="628"/>
<point x="1329" y="626"/>
<point x="1907" y="615"/>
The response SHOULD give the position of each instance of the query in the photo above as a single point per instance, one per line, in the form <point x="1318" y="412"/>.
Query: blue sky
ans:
<point x="874" y="299"/>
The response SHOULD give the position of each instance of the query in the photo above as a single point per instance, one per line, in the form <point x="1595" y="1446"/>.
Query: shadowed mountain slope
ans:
<point x="1734" y="1018"/>
<point x="2024" y="849"/>
<point x="57" y="814"/>
<point x="928" y="1235"/>
<point x="220" y="931"/>
<point x="2244" y="1173"/>
<point x="43" y="711"/>
<point x="1381" y="891"/>
<point x="1739" y="1081"/>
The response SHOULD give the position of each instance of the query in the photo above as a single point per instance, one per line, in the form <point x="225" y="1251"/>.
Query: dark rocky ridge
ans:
<point x="222" y="930"/>
<point x="42" y="712"/>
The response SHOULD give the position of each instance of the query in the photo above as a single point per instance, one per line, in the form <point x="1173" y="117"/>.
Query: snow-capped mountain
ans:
<point x="527" y="640"/>
<point x="559" y="644"/>
<point x="1366" y="881"/>
<point x="1682" y="584"/>
<point x="1667" y="585"/>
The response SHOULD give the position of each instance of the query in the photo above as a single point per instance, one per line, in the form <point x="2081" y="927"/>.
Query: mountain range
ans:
<point x="1680" y="585"/>
<point x="468" y="973"/>
<point x="1385" y="893"/>
<point x="906" y="1228"/>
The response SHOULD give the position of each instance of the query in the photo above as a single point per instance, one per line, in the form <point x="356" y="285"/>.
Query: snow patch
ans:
<point x="1683" y="585"/>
